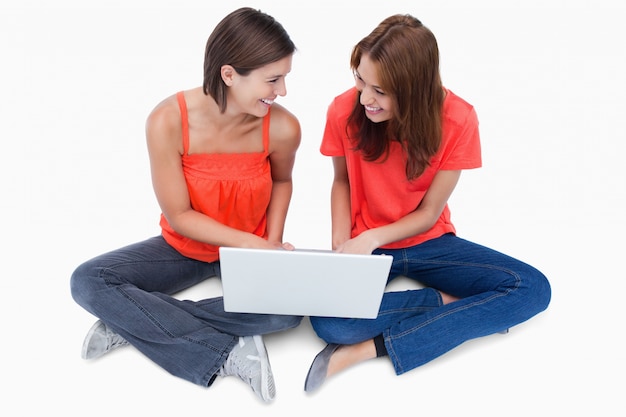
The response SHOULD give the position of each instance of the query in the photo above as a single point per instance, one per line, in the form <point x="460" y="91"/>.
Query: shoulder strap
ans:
<point x="180" y="96"/>
<point x="266" y="132"/>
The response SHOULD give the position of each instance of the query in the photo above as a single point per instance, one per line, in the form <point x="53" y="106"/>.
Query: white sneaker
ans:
<point x="100" y="340"/>
<point x="248" y="360"/>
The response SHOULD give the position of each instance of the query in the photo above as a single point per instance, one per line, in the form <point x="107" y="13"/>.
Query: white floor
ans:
<point x="546" y="78"/>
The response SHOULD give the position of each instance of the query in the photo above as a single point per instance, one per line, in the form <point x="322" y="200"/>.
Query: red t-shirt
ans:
<point x="380" y="193"/>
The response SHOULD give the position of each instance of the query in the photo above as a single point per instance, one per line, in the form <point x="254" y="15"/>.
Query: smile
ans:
<point x="371" y="109"/>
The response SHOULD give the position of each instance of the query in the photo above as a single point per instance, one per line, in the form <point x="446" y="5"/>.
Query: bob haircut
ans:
<point x="246" y="39"/>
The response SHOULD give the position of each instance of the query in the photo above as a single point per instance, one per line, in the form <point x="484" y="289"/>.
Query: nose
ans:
<point x="281" y="88"/>
<point x="366" y="98"/>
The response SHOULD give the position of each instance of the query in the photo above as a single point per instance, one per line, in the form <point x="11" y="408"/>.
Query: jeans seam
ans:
<point x="105" y="271"/>
<point x="390" y="338"/>
<point x="499" y="294"/>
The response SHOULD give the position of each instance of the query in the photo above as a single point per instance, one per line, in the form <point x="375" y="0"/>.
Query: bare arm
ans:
<point x="416" y="222"/>
<point x="285" y="135"/>
<point x="340" y="203"/>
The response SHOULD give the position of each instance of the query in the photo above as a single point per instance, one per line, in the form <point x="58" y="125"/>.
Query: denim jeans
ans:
<point x="130" y="289"/>
<point x="496" y="292"/>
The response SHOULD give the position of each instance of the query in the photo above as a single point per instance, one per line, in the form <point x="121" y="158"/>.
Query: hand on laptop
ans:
<point x="359" y="245"/>
<point x="288" y="246"/>
<point x="279" y="245"/>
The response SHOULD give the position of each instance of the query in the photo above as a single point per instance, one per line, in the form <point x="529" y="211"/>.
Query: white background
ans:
<point x="78" y="78"/>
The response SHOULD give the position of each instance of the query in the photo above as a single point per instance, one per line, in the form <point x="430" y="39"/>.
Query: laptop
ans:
<point x="303" y="282"/>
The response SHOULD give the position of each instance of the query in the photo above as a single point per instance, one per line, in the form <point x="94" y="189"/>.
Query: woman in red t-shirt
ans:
<point x="399" y="141"/>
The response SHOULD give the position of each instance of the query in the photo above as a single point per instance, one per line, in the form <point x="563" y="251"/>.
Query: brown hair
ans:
<point x="406" y="55"/>
<point x="246" y="39"/>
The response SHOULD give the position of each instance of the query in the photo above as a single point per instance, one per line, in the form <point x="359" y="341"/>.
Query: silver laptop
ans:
<point x="303" y="282"/>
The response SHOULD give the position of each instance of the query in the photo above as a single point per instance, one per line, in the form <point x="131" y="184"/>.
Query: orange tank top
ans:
<point x="234" y="189"/>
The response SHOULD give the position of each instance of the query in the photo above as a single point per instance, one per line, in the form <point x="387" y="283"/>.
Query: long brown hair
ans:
<point x="406" y="55"/>
<point x="246" y="39"/>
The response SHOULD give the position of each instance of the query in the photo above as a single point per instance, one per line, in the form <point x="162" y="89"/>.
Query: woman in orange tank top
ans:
<point x="221" y="165"/>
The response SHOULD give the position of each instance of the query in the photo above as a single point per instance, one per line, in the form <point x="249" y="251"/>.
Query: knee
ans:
<point x="537" y="290"/>
<point x="333" y="330"/>
<point x="276" y="323"/>
<point x="321" y="328"/>
<point x="83" y="284"/>
<point x="289" y="322"/>
<point x="543" y="291"/>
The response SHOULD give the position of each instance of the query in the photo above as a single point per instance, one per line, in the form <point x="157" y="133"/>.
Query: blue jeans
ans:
<point x="496" y="292"/>
<point x="130" y="289"/>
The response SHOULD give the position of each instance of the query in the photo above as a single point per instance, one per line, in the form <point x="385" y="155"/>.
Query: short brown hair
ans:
<point x="246" y="39"/>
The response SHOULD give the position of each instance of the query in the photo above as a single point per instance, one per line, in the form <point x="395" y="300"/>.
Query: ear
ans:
<point x="228" y="74"/>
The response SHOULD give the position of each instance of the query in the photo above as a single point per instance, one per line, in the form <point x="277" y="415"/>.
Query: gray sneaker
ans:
<point x="100" y="340"/>
<point x="248" y="360"/>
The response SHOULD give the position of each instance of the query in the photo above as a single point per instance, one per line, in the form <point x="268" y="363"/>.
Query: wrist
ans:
<point x="372" y="236"/>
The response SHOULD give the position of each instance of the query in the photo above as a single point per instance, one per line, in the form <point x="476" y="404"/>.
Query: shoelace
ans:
<point x="115" y="339"/>
<point x="235" y="365"/>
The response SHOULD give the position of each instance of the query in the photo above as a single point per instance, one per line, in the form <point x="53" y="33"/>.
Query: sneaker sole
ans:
<point x="85" y="348"/>
<point x="260" y="346"/>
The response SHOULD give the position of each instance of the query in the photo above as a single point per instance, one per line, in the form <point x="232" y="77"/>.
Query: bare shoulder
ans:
<point x="285" y="130"/>
<point x="164" y="114"/>
<point x="163" y="124"/>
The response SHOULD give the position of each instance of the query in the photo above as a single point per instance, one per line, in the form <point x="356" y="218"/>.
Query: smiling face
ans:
<point x="255" y="93"/>
<point x="378" y="105"/>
